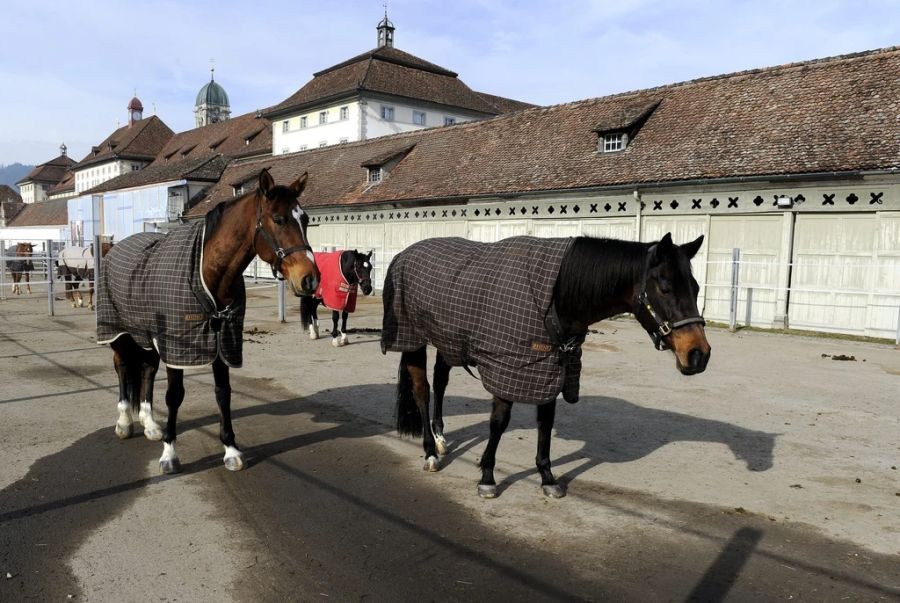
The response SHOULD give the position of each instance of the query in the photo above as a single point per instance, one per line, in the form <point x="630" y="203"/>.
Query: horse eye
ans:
<point x="665" y="285"/>
<point x="278" y="219"/>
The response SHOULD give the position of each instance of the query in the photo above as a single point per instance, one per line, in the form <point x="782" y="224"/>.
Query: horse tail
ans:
<point x="409" y="419"/>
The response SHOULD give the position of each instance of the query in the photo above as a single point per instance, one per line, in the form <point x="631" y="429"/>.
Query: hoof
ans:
<point x="170" y="466"/>
<point x="431" y="464"/>
<point x="313" y="333"/>
<point x="344" y="339"/>
<point x="153" y="433"/>
<point x="123" y="432"/>
<point x="335" y="342"/>
<point x="554" y="491"/>
<point x="441" y="443"/>
<point x="487" y="490"/>
<point x="234" y="463"/>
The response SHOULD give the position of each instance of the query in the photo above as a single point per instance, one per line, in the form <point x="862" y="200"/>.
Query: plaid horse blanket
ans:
<point x="334" y="290"/>
<point x="488" y="305"/>
<point x="152" y="288"/>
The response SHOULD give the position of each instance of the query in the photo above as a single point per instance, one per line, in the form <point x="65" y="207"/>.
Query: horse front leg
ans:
<point x="441" y="379"/>
<point x="168" y="462"/>
<point x="344" y="336"/>
<point x="28" y="282"/>
<point x="337" y="339"/>
<point x="234" y="458"/>
<point x="500" y="413"/>
<point x="546" y="414"/>
<point x="149" y="367"/>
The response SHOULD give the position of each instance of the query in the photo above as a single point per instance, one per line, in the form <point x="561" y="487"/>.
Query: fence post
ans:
<point x="281" y="308"/>
<point x="50" y="309"/>
<point x="749" y="313"/>
<point x="897" y="341"/>
<point x="735" y="279"/>
<point x="2" y="266"/>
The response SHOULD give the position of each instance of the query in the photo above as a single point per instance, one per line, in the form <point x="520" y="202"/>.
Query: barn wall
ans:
<point x="838" y="248"/>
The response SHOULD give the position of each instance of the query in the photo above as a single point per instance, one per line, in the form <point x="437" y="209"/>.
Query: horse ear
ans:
<point x="266" y="184"/>
<point x="299" y="184"/>
<point x="691" y="249"/>
<point x="659" y="251"/>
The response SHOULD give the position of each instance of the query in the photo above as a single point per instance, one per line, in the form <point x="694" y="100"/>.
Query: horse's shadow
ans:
<point x="612" y="430"/>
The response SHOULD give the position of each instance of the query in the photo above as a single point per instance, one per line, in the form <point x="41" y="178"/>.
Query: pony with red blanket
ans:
<point x="342" y="274"/>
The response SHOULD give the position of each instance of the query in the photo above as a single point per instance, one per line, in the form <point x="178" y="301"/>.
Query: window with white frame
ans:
<point x="345" y="113"/>
<point x="323" y="117"/>
<point x="303" y="122"/>
<point x="613" y="142"/>
<point x="387" y="113"/>
<point x="375" y="175"/>
<point x="419" y="118"/>
<point x="285" y="125"/>
<point x="449" y="121"/>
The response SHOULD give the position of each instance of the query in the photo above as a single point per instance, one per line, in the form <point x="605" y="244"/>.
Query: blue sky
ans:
<point x="69" y="68"/>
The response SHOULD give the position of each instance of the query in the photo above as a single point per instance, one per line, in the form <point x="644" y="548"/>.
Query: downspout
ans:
<point x="637" y="215"/>
<point x="790" y="269"/>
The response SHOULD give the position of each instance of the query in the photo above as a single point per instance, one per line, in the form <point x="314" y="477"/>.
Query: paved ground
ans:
<point x="772" y="475"/>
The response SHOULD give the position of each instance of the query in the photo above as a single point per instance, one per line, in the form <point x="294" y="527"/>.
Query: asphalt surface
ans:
<point x="333" y="506"/>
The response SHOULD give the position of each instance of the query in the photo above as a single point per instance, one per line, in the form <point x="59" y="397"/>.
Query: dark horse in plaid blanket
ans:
<point x="180" y="298"/>
<point x="519" y="310"/>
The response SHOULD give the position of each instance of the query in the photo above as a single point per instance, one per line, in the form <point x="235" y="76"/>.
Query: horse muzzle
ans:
<point x="697" y="359"/>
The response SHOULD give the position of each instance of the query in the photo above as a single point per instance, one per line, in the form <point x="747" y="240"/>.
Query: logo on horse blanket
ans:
<point x="488" y="305"/>
<point x="151" y="287"/>
<point x="334" y="290"/>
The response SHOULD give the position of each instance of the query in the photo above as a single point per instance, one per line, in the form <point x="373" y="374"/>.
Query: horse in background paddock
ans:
<point x="76" y="264"/>
<point x="519" y="310"/>
<point x="343" y="272"/>
<point x="20" y="265"/>
<point x="180" y="298"/>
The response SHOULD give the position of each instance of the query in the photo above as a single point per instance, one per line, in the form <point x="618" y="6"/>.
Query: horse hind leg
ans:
<point x="28" y="282"/>
<point x="413" y="394"/>
<point x="441" y="379"/>
<point x="344" y="337"/>
<point x="127" y="395"/>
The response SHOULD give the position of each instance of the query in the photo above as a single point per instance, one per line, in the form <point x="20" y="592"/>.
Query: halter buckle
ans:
<point x="665" y="328"/>
<point x="280" y="253"/>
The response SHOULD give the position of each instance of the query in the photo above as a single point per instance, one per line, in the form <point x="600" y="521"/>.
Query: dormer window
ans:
<point x="620" y="125"/>
<point x="374" y="175"/>
<point x="614" y="142"/>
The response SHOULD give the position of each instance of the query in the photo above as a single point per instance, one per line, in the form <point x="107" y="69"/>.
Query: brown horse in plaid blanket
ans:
<point x="184" y="303"/>
<point x="519" y="310"/>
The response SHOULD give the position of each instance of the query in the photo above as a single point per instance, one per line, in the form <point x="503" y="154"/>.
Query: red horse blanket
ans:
<point x="334" y="290"/>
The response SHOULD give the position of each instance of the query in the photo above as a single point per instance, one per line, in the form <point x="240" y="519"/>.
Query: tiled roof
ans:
<point x="52" y="171"/>
<point x="200" y="154"/>
<point x="45" y="213"/>
<point x="9" y="194"/>
<point x="66" y="185"/>
<point x="228" y="137"/>
<point x="206" y="168"/>
<point x="390" y="71"/>
<point x="823" y="116"/>
<point x="142" y="140"/>
<point x="505" y="105"/>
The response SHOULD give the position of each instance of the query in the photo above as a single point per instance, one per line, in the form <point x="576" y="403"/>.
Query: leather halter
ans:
<point x="663" y="327"/>
<point x="280" y="252"/>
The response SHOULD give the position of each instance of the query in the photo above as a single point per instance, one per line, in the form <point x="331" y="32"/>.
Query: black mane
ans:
<point x="595" y="270"/>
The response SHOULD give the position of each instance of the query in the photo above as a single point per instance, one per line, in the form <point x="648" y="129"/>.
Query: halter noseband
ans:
<point x="280" y="252"/>
<point x="663" y="327"/>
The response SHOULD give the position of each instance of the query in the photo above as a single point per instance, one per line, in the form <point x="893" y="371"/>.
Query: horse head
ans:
<point x="666" y="305"/>
<point x="361" y="270"/>
<point x="281" y="223"/>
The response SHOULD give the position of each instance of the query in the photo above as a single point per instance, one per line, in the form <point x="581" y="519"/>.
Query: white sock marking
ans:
<point x="169" y="453"/>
